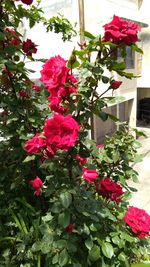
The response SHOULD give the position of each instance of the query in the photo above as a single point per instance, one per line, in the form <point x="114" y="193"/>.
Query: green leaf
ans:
<point x="103" y="115"/>
<point x="89" y="243"/>
<point x="107" y="250"/>
<point x="89" y="35"/>
<point x="94" y="253"/>
<point x="63" y="257"/>
<point x="47" y="218"/>
<point x="2" y="36"/>
<point x="29" y="158"/>
<point x="136" y="48"/>
<point x="64" y="219"/>
<point x="55" y="258"/>
<point x="65" y="199"/>
<point x="122" y="257"/>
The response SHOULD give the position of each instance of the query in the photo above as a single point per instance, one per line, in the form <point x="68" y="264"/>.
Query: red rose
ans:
<point x="12" y="37"/>
<point x="37" y="184"/>
<point x="54" y="72"/>
<point x="35" y="144"/>
<point x="23" y="94"/>
<point x="36" y="87"/>
<point x="138" y="220"/>
<point x="120" y="31"/>
<point x="100" y="146"/>
<point x="29" y="47"/>
<point x="115" y="84"/>
<point x="109" y="189"/>
<point x="69" y="228"/>
<point x="81" y="160"/>
<point x="61" y="132"/>
<point x="55" y="104"/>
<point x="89" y="175"/>
<point x="27" y="2"/>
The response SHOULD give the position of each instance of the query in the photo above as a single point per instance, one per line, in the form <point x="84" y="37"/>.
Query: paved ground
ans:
<point x="141" y="198"/>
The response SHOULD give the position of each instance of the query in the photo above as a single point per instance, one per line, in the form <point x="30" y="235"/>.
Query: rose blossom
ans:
<point x="81" y="160"/>
<point x="89" y="175"/>
<point x="115" y="84"/>
<point x="100" y="146"/>
<point x="54" y="72"/>
<point x="29" y="47"/>
<point x="12" y="37"/>
<point x="109" y="189"/>
<point x="69" y="228"/>
<point x="61" y="132"/>
<point x="36" y="87"/>
<point x="27" y="2"/>
<point x="23" y="94"/>
<point x="120" y="31"/>
<point x="138" y="220"/>
<point x="35" y="144"/>
<point x="37" y="184"/>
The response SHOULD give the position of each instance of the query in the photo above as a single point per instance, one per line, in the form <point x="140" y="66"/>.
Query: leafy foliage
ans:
<point x="70" y="224"/>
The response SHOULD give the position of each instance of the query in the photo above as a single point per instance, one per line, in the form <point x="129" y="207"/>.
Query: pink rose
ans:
<point x="90" y="175"/>
<point x="109" y="189"/>
<point x="35" y="144"/>
<point x="29" y="47"/>
<point x="138" y="220"/>
<point x="61" y="132"/>
<point x="115" y="84"/>
<point x="37" y="184"/>
<point x="54" y="72"/>
<point x="120" y="31"/>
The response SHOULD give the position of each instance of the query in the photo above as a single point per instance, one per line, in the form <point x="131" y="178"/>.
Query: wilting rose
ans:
<point x="109" y="189"/>
<point x="61" y="132"/>
<point x="120" y="31"/>
<point x="90" y="175"/>
<point x="138" y="220"/>
<point x="115" y="84"/>
<point x="29" y="47"/>
<point x="37" y="184"/>
<point x="35" y="144"/>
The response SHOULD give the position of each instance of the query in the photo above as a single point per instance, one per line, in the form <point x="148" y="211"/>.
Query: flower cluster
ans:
<point x="120" y="31"/>
<point x="60" y="132"/>
<point x="57" y="80"/>
<point x="109" y="189"/>
<point x="138" y="220"/>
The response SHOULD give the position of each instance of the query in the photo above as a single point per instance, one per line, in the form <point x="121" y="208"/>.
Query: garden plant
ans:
<point x="64" y="198"/>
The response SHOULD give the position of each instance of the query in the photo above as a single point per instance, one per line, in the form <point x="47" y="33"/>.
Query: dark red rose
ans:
<point x="109" y="189"/>
<point x="23" y="94"/>
<point x="61" y="132"/>
<point x="115" y="84"/>
<point x="12" y="37"/>
<point x="69" y="228"/>
<point x="120" y="31"/>
<point x="35" y="144"/>
<point x="90" y="175"/>
<point x="37" y="184"/>
<point x="138" y="220"/>
<point x="27" y="2"/>
<point x="29" y="47"/>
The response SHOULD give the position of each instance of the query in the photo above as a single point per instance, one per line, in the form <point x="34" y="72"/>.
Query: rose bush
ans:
<point x="55" y="197"/>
